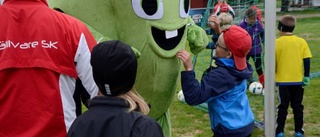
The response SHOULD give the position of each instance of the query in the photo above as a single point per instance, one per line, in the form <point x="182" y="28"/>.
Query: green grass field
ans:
<point x="188" y="121"/>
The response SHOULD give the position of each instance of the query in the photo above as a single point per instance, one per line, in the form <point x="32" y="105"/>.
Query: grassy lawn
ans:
<point x="190" y="121"/>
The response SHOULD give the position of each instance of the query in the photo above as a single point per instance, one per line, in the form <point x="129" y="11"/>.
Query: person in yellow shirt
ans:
<point x="291" y="78"/>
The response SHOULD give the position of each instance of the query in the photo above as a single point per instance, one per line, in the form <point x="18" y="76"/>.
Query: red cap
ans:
<point x="239" y="43"/>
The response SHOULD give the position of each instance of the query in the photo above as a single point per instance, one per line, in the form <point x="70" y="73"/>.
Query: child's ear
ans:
<point x="229" y="54"/>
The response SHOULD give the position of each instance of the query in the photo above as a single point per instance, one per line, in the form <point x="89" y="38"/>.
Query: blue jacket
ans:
<point x="224" y="89"/>
<point x="256" y="32"/>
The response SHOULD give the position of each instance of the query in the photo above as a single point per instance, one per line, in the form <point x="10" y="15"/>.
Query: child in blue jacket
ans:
<point x="224" y="87"/>
<point x="256" y="31"/>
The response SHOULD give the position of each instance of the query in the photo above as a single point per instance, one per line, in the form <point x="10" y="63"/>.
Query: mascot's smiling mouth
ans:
<point x="167" y="40"/>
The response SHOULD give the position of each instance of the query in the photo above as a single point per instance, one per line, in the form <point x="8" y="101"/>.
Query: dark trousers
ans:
<point x="257" y="59"/>
<point x="292" y="94"/>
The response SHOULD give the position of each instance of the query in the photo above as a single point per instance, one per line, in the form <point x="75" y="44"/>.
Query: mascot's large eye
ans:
<point x="148" y="9"/>
<point x="184" y="8"/>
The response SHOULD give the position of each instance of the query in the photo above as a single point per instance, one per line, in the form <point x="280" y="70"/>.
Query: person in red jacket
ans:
<point x="223" y="6"/>
<point x="42" y="53"/>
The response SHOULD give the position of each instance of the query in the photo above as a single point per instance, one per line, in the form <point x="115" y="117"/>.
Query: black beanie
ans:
<point x="114" y="67"/>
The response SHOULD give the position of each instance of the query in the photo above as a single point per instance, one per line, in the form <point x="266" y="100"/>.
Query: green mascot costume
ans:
<point x="156" y="29"/>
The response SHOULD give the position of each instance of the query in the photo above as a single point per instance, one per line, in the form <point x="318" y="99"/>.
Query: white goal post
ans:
<point x="270" y="36"/>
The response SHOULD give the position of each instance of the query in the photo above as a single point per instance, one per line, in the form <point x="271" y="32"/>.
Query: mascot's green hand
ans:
<point x="138" y="54"/>
<point x="306" y="81"/>
<point x="197" y="38"/>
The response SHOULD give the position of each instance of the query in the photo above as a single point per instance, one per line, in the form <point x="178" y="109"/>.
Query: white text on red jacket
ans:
<point x="28" y="45"/>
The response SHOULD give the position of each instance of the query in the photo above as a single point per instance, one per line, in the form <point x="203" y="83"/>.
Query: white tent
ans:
<point x="315" y="2"/>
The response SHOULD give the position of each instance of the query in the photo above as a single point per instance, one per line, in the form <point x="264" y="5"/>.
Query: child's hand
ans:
<point x="214" y="23"/>
<point x="185" y="58"/>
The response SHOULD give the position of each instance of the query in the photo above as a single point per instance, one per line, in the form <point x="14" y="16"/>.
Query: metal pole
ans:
<point x="270" y="36"/>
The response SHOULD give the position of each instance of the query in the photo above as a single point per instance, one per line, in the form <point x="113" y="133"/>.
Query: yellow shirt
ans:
<point x="290" y="52"/>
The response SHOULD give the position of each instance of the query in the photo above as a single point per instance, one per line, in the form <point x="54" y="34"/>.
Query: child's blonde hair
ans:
<point x="136" y="102"/>
<point x="225" y="19"/>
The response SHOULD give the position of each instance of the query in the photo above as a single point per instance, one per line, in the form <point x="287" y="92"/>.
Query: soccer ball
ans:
<point x="181" y="96"/>
<point x="256" y="88"/>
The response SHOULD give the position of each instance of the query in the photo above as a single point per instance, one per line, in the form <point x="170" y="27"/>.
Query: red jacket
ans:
<point x="39" y="48"/>
<point x="223" y="7"/>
